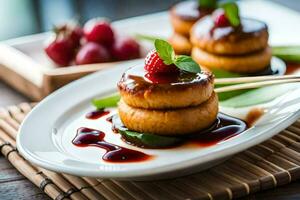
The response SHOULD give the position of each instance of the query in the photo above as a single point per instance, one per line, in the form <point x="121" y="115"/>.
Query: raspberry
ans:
<point x="221" y="20"/>
<point x="154" y="64"/>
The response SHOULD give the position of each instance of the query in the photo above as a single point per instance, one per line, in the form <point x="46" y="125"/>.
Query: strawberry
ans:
<point x="60" y="49"/>
<point x="99" y="31"/>
<point x="125" y="48"/>
<point x="62" y="46"/>
<point x="92" y="52"/>
<point x="154" y="64"/>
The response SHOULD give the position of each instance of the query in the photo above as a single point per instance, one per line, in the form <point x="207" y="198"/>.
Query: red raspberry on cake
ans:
<point x="154" y="64"/>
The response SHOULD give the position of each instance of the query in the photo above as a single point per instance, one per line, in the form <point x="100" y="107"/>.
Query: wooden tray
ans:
<point x="271" y="164"/>
<point x="25" y="66"/>
<point x="35" y="80"/>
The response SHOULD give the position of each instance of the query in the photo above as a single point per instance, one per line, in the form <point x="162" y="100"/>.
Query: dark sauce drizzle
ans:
<point x="86" y="137"/>
<point x="109" y="119"/>
<point x="96" y="114"/>
<point x="224" y="128"/>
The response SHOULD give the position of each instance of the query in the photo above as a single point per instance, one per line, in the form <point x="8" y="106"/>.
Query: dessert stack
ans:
<point x="183" y="16"/>
<point x="226" y="41"/>
<point x="169" y="95"/>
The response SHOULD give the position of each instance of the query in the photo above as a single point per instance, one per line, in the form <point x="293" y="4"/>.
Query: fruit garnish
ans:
<point x="231" y="12"/>
<point x="164" y="60"/>
<point x="144" y="139"/>
<point x="92" y="52"/>
<point x="125" y="48"/>
<point x="220" y="19"/>
<point x="207" y="3"/>
<point x="99" y="31"/>
<point x="155" y="64"/>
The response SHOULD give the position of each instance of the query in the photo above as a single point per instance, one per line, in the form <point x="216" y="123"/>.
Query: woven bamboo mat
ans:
<point x="270" y="164"/>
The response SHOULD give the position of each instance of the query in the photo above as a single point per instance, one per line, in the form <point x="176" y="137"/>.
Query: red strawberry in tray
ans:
<point x="92" y="52"/>
<point x="76" y="35"/>
<point x="125" y="48"/>
<point x="62" y="46"/>
<point x="99" y="31"/>
<point x="60" y="50"/>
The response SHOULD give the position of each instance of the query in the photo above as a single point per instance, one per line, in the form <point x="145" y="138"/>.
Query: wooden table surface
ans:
<point x="14" y="186"/>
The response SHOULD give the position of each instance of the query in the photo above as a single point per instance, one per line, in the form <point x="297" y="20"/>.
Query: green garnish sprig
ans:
<point x="231" y="10"/>
<point x="167" y="54"/>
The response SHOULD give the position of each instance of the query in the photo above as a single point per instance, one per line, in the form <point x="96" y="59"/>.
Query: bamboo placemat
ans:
<point x="270" y="164"/>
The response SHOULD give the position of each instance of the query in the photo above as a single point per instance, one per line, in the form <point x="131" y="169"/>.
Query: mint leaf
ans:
<point x="232" y="13"/>
<point x="207" y="3"/>
<point x="106" y="102"/>
<point x="149" y="140"/>
<point x="165" y="51"/>
<point x="186" y="63"/>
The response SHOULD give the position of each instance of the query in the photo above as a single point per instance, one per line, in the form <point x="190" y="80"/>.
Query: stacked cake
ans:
<point x="241" y="48"/>
<point x="165" y="97"/>
<point x="183" y="105"/>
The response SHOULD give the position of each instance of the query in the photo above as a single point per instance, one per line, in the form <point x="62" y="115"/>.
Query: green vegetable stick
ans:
<point x="110" y="101"/>
<point x="287" y="53"/>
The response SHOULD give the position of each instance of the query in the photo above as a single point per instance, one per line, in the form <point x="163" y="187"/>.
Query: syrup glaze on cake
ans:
<point x="249" y="28"/>
<point x="190" y="11"/>
<point x="136" y="80"/>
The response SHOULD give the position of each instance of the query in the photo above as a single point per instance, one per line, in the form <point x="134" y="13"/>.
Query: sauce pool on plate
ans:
<point x="87" y="137"/>
<point x="96" y="114"/>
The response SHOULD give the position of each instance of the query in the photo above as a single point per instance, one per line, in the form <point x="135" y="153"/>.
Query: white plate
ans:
<point x="46" y="134"/>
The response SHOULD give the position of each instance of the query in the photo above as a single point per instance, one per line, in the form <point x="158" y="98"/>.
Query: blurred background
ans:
<point x="25" y="17"/>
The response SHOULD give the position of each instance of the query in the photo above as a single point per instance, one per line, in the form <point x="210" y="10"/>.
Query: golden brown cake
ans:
<point x="249" y="63"/>
<point x="250" y="36"/>
<point x="179" y="121"/>
<point x="181" y="44"/>
<point x="140" y="90"/>
<point x="183" y="15"/>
